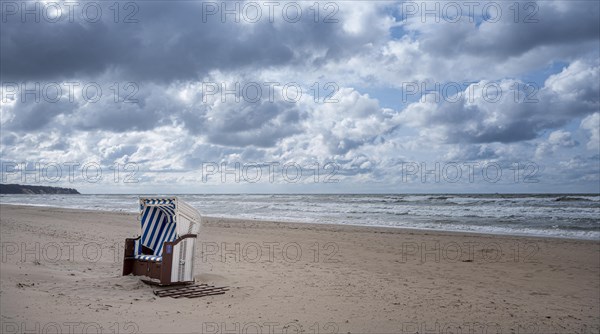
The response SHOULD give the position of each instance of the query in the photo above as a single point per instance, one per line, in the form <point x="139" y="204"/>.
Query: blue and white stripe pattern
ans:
<point x="149" y="258"/>
<point x="158" y="226"/>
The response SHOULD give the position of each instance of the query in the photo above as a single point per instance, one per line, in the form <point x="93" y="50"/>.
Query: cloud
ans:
<point x="592" y="124"/>
<point x="180" y="42"/>
<point x="512" y="33"/>
<point x="556" y="140"/>
<point x="489" y="112"/>
<point x="174" y="125"/>
<point x="351" y="121"/>
<point x="473" y="49"/>
<point x="561" y="138"/>
<point x="260" y="125"/>
<point x="472" y="153"/>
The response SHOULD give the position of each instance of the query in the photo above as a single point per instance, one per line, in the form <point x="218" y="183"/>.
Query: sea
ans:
<point x="552" y="215"/>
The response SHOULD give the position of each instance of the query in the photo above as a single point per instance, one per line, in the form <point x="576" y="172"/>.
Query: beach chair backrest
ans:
<point x="158" y="220"/>
<point x="165" y="219"/>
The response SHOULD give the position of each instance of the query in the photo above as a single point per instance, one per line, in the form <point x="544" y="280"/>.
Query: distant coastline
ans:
<point x="35" y="190"/>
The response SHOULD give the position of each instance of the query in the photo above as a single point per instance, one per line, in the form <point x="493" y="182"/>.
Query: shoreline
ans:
<point x="344" y="279"/>
<point x="389" y="228"/>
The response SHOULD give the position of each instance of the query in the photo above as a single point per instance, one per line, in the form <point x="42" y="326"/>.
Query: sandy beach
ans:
<point x="61" y="271"/>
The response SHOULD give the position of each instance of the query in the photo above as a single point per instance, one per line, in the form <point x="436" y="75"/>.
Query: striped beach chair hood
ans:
<point x="158" y="220"/>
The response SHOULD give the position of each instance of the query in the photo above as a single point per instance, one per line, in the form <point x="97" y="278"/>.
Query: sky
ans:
<point x="301" y="96"/>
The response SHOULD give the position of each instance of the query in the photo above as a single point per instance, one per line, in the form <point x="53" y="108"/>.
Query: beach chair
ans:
<point x="164" y="252"/>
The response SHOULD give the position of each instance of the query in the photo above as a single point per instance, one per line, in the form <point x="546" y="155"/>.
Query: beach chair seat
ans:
<point x="164" y="251"/>
<point x="148" y="257"/>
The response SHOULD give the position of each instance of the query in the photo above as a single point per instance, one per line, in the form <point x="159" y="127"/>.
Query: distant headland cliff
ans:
<point x="41" y="190"/>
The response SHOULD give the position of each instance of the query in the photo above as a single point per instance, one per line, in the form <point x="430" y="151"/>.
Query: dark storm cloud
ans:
<point x="566" y="96"/>
<point x="170" y="42"/>
<point x="40" y="110"/>
<point x="118" y="118"/>
<point x="42" y="51"/>
<point x="473" y="124"/>
<point x="151" y="109"/>
<point x="8" y="139"/>
<point x="250" y="124"/>
<point x="519" y="123"/>
<point x="31" y="116"/>
<point x="551" y="25"/>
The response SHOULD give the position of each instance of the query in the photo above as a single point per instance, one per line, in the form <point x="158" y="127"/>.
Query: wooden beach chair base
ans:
<point x="159" y="270"/>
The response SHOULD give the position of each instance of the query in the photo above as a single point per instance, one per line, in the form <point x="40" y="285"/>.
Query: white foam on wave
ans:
<point x="525" y="215"/>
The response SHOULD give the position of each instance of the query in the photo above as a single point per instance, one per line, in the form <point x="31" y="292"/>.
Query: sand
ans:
<point x="60" y="270"/>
